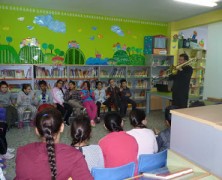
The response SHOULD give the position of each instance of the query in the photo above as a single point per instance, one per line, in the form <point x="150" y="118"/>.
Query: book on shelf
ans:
<point x="140" y="73"/>
<point x="15" y="87"/>
<point x="104" y="73"/>
<point x="118" y="72"/>
<point x="84" y="73"/>
<point x="141" y="83"/>
<point x="19" y="74"/>
<point x="28" y="73"/>
<point x="168" y="173"/>
<point x="42" y="72"/>
<point x="12" y="73"/>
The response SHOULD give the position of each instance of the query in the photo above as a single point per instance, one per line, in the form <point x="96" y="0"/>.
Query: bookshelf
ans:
<point x="197" y="79"/>
<point x="138" y="77"/>
<point x="138" y="80"/>
<point x="158" y="65"/>
<point x="16" y="75"/>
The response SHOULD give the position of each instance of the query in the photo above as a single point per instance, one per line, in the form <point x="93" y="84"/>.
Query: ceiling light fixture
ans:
<point x="209" y="3"/>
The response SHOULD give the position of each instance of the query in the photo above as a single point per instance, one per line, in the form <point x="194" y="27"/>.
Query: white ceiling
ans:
<point x="155" y="10"/>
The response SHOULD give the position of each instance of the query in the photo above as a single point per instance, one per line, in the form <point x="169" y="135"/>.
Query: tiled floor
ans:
<point x="18" y="137"/>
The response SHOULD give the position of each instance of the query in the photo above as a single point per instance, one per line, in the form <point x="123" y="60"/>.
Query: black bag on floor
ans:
<point x="3" y="142"/>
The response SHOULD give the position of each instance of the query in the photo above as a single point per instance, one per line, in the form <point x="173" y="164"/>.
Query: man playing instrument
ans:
<point x="181" y="83"/>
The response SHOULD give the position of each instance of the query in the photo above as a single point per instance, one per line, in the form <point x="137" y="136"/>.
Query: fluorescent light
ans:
<point x="209" y="3"/>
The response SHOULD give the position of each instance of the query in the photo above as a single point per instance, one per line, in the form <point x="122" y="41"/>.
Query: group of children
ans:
<point x="13" y="109"/>
<point x="37" y="160"/>
<point x="55" y="106"/>
<point x="88" y="99"/>
<point x="65" y="100"/>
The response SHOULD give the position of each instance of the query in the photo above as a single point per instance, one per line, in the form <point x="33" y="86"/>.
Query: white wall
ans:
<point x="213" y="75"/>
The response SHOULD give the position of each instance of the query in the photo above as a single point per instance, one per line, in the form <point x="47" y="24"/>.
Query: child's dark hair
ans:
<point x="72" y="82"/>
<point x="80" y="129"/>
<point x="42" y="82"/>
<point x="58" y="81"/>
<point x="98" y="82"/>
<point x="168" y="114"/>
<point x="110" y="80"/>
<point x="112" y="121"/>
<point x="3" y="83"/>
<point x="136" y="117"/>
<point x="48" y="123"/>
<point x="88" y="84"/>
<point x="122" y="81"/>
<point x="25" y="86"/>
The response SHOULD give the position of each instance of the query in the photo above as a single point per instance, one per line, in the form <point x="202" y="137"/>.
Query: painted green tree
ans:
<point x="9" y="39"/>
<point x="74" y="56"/>
<point x="51" y="47"/>
<point x="31" y="55"/>
<point x="121" y="57"/>
<point x="45" y="46"/>
<point x="8" y="55"/>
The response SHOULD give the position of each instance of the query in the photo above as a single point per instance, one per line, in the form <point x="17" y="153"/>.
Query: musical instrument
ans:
<point x="174" y="69"/>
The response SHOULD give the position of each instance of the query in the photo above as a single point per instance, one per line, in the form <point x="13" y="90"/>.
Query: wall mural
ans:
<point x="50" y="23"/>
<point x="32" y="53"/>
<point x="34" y="24"/>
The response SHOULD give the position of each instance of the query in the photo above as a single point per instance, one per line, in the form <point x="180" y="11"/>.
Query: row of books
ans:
<point x="138" y="73"/>
<point x="15" y="73"/>
<point x="42" y="72"/>
<point x="115" y="72"/>
<point x="84" y="73"/>
<point x="140" y="83"/>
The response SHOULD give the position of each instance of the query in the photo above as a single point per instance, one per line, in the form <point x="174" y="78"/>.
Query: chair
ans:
<point x="117" y="173"/>
<point x="149" y="162"/>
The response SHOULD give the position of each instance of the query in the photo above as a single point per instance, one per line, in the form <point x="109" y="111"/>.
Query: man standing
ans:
<point x="181" y="83"/>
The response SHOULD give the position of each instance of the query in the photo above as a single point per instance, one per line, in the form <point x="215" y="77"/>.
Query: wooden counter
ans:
<point x="196" y="133"/>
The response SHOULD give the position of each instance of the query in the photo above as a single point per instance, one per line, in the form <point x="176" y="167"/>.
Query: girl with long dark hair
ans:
<point x="49" y="159"/>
